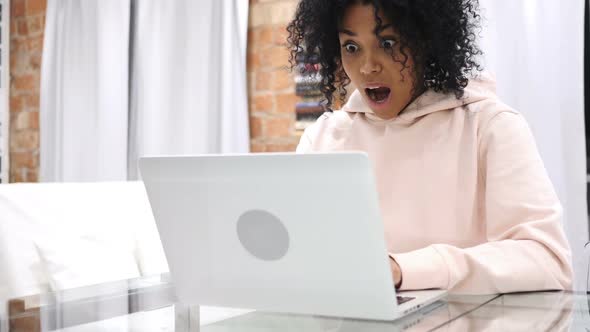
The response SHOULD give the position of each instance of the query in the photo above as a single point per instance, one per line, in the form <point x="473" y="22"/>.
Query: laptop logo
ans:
<point x="263" y="235"/>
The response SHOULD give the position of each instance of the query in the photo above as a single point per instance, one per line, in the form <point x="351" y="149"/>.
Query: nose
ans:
<point x="370" y="65"/>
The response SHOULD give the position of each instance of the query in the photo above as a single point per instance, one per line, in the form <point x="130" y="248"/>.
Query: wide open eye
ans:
<point x="350" y="47"/>
<point x="387" y="44"/>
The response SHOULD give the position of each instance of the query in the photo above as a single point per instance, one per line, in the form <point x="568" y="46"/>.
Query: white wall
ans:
<point x="535" y="48"/>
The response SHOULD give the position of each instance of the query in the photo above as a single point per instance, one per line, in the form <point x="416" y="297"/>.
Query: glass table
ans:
<point x="149" y="304"/>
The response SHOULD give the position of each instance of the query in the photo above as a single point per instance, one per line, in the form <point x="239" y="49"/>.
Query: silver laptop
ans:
<point x="297" y="233"/>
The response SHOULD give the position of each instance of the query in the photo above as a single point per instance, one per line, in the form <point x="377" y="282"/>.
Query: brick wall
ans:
<point x="271" y="87"/>
<point x="26" y="44"/>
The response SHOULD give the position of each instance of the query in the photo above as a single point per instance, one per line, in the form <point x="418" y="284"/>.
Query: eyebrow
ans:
<point x="347" y="32"/>
<point x="384" y="27"/>
<point x="351" y="33"/>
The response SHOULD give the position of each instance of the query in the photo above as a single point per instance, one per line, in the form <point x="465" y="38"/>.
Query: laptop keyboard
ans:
<point x="404" y="299"/>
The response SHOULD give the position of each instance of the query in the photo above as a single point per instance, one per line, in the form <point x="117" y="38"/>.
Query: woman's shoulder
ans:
<point x="487" y="111"/>
<point x="499" y="125"/>
<point x="325" y="124"/>
<point x="332" y="120"/>
<point x="482" y="103"/>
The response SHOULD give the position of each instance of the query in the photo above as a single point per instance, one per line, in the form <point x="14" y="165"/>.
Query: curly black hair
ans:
<point x="440" y="34"/>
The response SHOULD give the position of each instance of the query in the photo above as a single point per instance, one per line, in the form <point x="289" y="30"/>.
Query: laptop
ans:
<point x="280" y="232"/>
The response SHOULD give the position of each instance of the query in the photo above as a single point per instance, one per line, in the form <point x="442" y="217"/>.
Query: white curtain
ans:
<point x="535" y="48"/>
<point x="189" y="74"/>
<point x="84" y="91"/>
<point x="126" y="78"/>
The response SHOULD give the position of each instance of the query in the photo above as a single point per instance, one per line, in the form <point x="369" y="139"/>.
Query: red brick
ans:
<point x="252" y="61"/>
<point x="35" y="44"/>
<point x="20" y="120"/>
<point x="25" y="139"/>
<point x="14" y="59"/>
<point x="34" y="120"/>
<point x="285" y="103"/>
<point x="23" y="160"/>
<point x="257" y="147"/>
<point x="265" y="37"/>
<point x="254" y="38"/>
<point x="281" y="147"/>
<point x="17" y="175"/>
<point x="278" y="127"/>
<point x="17" y="8"/>
<point x="263" y="80"/>
<point x="19" y="58"/>
<point x="35" y="25"/>
<point x="261" y="103"/>
<point x="18" y="47"/>
<point x="255" y="127"/>
<point x="282" y="79"/>
<point x="26" y="47"/>
<point x="32" y="175"/>
<point x="32" y="101"/>
<point x="16" y="103"/>
<point x="280" y="35"/>
<point x="35" y="7"/>
<point x="275" y="57"/>
<point x="24" y="82"/>
<point x="251" y="82"/>
<point x="21" y="27"/>
<point x="251" y="37"/>
<point x="35" y="60"/>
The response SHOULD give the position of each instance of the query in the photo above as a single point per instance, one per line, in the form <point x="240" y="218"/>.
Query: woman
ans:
<point x="465" y="198"/>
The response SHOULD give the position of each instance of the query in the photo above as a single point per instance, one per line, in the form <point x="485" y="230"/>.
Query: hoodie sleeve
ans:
<point x="310" y="134"/>
<point x="526" y="249"/>
<point x="304" y="145"/>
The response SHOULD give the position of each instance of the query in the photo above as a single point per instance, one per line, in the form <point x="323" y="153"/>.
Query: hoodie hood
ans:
<point x="479" y="88"/>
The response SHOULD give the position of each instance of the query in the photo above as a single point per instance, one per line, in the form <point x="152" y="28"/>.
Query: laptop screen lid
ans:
<point x="279" y="232"/>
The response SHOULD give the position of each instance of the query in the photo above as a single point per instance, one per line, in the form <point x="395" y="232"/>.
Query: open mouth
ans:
<point x="378" y="95"/>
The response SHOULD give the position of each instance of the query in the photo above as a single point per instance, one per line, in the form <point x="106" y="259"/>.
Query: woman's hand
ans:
<point x="396" y="271"/>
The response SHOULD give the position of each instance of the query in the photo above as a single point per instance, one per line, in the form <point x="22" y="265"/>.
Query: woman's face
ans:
<point x="386" y="86"/>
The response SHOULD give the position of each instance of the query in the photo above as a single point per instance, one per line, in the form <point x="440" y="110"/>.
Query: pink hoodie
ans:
<point x="465" y="199"/>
